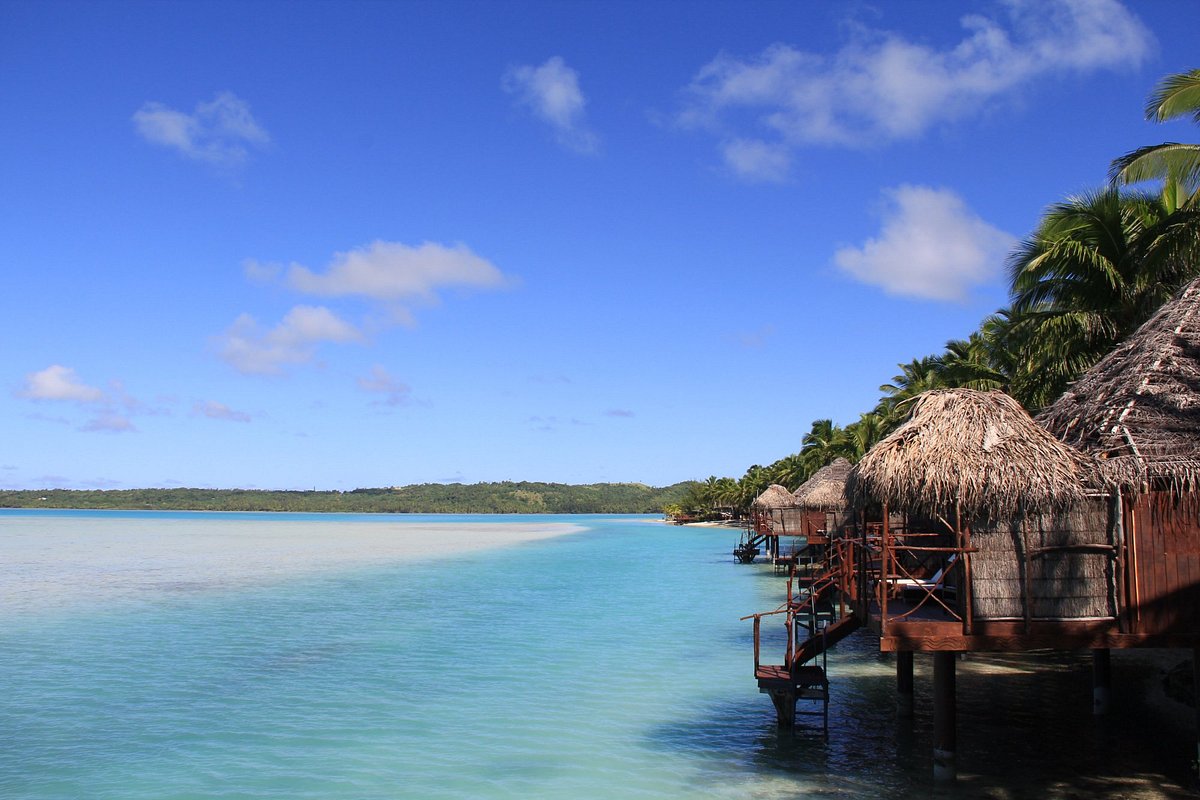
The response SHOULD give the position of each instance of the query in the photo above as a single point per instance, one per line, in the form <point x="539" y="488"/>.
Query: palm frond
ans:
<point x="1175" y="96"/>
<point x="1166" y="161"/>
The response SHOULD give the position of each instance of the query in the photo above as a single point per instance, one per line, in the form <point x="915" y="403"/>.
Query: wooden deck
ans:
<point x="929" y="629"/>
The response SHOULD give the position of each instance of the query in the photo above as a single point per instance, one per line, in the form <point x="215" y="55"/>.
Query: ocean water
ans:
<point x="608" y="662"/>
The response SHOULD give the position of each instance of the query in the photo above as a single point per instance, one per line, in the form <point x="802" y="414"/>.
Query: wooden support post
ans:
<point x="785" y="708"/>
<point x="944" y="713"/>
<point x="1101" y="681"/>
<point x="904" y="684"/>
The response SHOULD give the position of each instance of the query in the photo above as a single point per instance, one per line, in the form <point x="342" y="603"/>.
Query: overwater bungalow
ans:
<point x="996" y="533"/>
<point x="991" y="534"/>
<point x="822" y="499"/>
<point x="1138" y="412"/>
<point x="773" y="514"/>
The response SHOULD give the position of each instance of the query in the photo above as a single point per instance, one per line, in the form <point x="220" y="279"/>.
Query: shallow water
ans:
<point x="609" y="662"/>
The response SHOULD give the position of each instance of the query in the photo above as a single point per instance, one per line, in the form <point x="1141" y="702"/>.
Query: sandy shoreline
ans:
<point x="54" y="562"/>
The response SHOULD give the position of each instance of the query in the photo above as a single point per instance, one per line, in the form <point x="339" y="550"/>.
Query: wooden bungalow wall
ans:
<point x="1059" y="564"/>
<point x="787" y="521"/>
<point x="822" y="523"/>
<point x="1164" y="537"/>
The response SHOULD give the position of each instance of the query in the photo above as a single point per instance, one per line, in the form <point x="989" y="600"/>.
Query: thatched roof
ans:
<point x="1138" y="408"/>
<point x="826" y="489"/>
<point x="775" y="496"/>
<point x="978" y="449"/>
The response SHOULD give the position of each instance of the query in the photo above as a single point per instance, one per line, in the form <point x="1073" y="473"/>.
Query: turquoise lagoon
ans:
<point x="607" y="662"/>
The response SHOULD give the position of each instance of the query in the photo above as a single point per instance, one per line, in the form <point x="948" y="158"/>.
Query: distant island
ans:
<point x="506" y="497"/>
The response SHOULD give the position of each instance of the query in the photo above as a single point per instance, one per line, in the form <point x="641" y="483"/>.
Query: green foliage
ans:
<point x="429" y="498"/>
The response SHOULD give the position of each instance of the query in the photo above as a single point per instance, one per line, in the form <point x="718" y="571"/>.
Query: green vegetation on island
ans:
<point x="427" y="498"/>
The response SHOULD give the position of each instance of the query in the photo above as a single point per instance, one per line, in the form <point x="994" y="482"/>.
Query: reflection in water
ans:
<point x="1025" y="729"/>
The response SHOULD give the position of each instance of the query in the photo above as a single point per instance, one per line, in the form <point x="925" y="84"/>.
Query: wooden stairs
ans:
<point x="812" y="628"/>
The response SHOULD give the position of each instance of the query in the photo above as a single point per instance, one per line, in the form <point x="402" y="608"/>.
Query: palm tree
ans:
<point x="1082" y="282"/>
<point x="790" y="471"/>
<point x="973" y="363"/>
<point x="862" y="435"/>
<point x="917" y="376"/>
<point x="725" y="494"/>
<point x="821" y="444"/>
<point x="1177" y="239"/>
<point x="1176" y="165"/>
<point x="752" y="484"/>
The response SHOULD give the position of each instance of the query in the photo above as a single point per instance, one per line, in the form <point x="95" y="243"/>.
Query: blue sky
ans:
<point x="337" y="245"/>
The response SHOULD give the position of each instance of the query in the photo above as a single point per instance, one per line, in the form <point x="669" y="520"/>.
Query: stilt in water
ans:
<point x="785" y="708"/>
<point x="944" y="713"/>
<point x="1101" y="681"/>
<point x="904" y="684"/>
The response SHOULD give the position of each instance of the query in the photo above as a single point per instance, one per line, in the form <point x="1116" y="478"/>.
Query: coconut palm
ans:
<point x="917" y="376"/>
<point x="822" y="444"/>
<point x="1176" y="165"/>
<point x="790" y="471"/>
<point x="1083" y="281"/>
<point x="752" y="484"/>
<point x="863" y="434"/>
<point x="973" y="363"/>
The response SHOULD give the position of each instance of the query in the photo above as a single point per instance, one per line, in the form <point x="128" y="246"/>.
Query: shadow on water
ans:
<point x="1025" y="729"/>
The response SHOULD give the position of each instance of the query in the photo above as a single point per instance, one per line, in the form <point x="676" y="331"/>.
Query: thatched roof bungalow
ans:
<point x="823" y="500"/>
<point x="1012" y="521"/>
<point x="776" y="513"/>
<point x="1138" y="411"/>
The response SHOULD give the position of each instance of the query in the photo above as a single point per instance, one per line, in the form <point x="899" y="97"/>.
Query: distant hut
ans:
<point x="774" y="496"/>
<point x="823" y="500"/>
<point x="1138" y="411"/>
<point x="776" y="512"/>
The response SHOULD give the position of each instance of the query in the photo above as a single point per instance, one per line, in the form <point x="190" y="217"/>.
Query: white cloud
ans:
<point x="931" y="246"/>
<point x="219" y="131"/>
<point x="552" y="92"/>
<point x="391" y="271"/>
<point x="757" y="160"/>
<point x="260" y="272"/>
<point x="109" y="422"/>
<point x="249" y="349"/>
<point x="57" y="382"/>
<point x="381" y="382"/>
<point x="214" y="410"/>
<point x="881" y="86"/>
<point x="390" y="275"/>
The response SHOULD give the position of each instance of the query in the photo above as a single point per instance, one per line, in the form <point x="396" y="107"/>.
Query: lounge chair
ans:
<point x="920" y="586"/>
